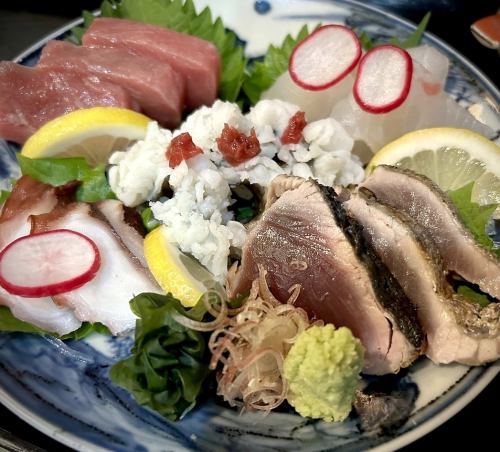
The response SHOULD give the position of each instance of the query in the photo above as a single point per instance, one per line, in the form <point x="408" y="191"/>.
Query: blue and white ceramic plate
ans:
<point x="63" y="389"/>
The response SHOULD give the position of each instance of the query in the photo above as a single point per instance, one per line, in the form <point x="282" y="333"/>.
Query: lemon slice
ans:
<point x="450" y="157"/>
<point x="175" y="272"/>
<point x="93" y="133"/>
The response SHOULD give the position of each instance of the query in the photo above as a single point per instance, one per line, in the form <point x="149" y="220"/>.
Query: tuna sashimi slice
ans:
<point x="30" y="97"/>
<point x="300" y="240"/>
<point x="195" y="59"/>
<point x="154" y="85"/>
<point x="457" y="330"/>
<point x="432" y="210"/>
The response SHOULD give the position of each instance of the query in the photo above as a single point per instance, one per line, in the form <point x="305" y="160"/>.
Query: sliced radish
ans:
<point x="383" y="80"/>
<point x="325" y="57"/>
<point x="48" y="263"/>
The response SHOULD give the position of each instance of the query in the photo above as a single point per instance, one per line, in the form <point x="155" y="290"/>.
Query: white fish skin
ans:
<point x="105" y="298"/>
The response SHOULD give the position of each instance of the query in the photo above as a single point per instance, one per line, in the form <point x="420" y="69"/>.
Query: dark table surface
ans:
<point x="476" y="426"/>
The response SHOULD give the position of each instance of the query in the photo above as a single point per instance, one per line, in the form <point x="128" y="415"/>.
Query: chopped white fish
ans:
<point x="258" y="170"/>
<point x="272" y="113"/>
<point x="196" y="218"/>
<point x="105" y="298"/>
<point x="331" y="145"/>
<point x="205" y="126"/>
<point x="137" y="174"/>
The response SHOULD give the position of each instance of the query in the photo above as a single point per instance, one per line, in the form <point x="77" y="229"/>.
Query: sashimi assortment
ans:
<point x="253" y="229"/>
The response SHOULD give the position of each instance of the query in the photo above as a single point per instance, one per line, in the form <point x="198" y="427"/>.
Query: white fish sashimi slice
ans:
<point x="106" y="298"/>
<point x="433" y="66"/>
<point x="315" y="104"/>
<point x="41" y="312"/>
<point x="427" y="105"/>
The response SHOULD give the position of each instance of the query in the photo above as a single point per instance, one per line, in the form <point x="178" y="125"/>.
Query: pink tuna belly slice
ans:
<point x="30" y="97"/>
<point x="195" y="59"/>
<point x="154" y="85"/>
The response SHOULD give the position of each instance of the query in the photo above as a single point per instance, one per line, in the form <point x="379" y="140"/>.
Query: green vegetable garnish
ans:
<point x="4" y="194"/>
<point x="412" y="40"/>
<point x="244" y="214"/>
<point x="148" y="220"/>
<point x="473" y="295"/>
<point x="322" y="370"/>
<point x="59" y="171"/>
<point x="264" y="73"/>
<point x="169" y="361"/>
<point x="11" y="324"/>
<point x="474" y="216"/>
<point x="181" y="16"/>
<point x="77" y="32"/>
<point x="366" y="41"/>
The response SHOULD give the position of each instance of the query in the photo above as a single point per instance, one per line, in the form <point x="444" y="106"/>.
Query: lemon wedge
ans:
<point x="450" y="157"/>
<point x="174" y="271"/>
<point x="93" y="133"/>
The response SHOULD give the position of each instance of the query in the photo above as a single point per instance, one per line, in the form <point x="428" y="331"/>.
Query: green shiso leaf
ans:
<point x="366" y="41"/>
<point x="181" y="16"/>
<point x="59" y="171"/>
<point x="414" y="39"/>
<point x="4" y="194"/>
<point x="264" y="73"/>
<point x="168" y="364"/>
<point x="474" y="216"/>
<point x="9" y="323"/>
<point x="473" y="295"/>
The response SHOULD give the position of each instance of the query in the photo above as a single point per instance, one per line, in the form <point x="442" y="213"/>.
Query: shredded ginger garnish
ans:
<point x="251" y="344"/>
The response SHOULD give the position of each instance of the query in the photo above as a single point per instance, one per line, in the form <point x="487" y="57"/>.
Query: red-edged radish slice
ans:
<point x="48" y="263"/>
<point x="384" y="78"/>
<point x="325" y="57"/>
